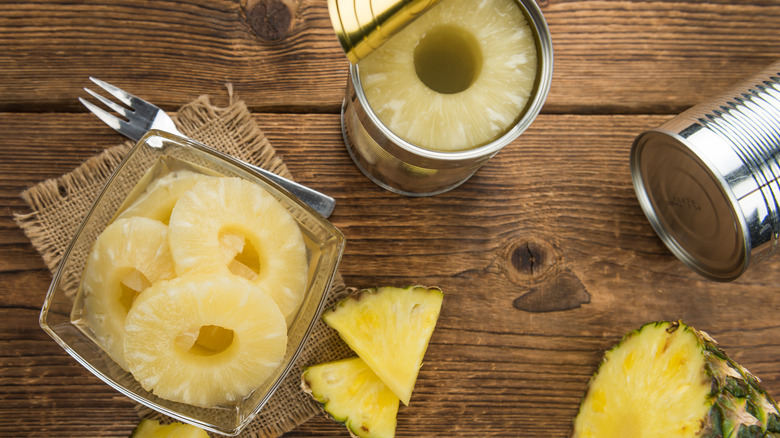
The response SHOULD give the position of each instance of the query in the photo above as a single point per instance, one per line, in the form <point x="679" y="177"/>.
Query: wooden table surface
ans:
<point x="552" y="218"/>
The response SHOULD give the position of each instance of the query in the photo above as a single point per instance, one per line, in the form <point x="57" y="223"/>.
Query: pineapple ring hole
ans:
<point x="131" y="285"/>
<point x="206" y="340"/>
<point x="448" y="59"/>
<point x="246" y="262"/>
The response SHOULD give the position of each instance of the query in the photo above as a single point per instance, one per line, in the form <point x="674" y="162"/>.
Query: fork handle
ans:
<point x="320" y="202"/>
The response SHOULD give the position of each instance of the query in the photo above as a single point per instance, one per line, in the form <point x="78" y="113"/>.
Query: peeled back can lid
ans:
<point x="688" y="201"/>
<point x="364" y="25"/>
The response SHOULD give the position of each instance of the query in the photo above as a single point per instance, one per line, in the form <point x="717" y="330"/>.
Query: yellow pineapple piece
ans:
<point x="233" y="225"/>
<point x="352" y="394"/>
<point x="204" y="339"/>
<point x="670" y="380"/>
<point x="158" y="200"/>
<point x="389" y="328"/>
<point x="457" y="77"/>
<point x="153" y="429"/>
<point x="128" y="257"/>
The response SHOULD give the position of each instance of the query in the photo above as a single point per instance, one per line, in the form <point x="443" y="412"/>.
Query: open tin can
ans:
<point x="386" y="158"/>
<point x="709" y="179"/>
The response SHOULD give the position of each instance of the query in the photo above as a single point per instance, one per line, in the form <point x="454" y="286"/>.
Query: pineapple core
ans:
<point x="448" y="59"/>
<point x="131" y="285"/>
<point x="245" y="260"/>
<point x="207" y="340"/>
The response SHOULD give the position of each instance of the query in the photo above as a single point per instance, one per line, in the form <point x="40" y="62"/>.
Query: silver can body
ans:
<point x="709" y="179"/>
<point x="402" y="167"/>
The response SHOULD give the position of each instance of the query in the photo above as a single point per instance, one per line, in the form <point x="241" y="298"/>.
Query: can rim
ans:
<point x="541" y="88"/>
<point x="667" y="237"/>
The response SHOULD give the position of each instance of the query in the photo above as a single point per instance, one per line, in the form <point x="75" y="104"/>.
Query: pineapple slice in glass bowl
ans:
<point x="162" y="165"/>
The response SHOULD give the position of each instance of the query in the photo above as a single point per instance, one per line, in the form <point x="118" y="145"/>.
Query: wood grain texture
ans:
<point x="561" y="191"/>
<point x="610" y="56"/>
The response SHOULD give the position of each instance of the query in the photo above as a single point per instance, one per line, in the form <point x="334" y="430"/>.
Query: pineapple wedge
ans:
<point x="128" y="256"/>
<point x="352" y="394"/>
<point x="153" y="429"/>
<point x="389" y="328"/>
<point x="218" y="210"/>
<point x="204" y="339"/>
<point x="670" y="380"/>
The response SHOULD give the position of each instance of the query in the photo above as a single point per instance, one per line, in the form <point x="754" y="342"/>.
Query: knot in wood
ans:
<point x="270" y="19"/>
<point x="529" y="258"/>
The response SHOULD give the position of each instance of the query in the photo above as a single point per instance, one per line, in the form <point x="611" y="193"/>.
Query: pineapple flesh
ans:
<point x="457" y="77"/>
<point x="157" y="201"/>
<point x="232" y="225"/>
<point x="353" y="394"/>
<point x="204" y="339"/>
<point x="389" y="328"/>
<point x="153" y="429"/>
<point x="670" y="380"/>
<point x="128" y="256"/>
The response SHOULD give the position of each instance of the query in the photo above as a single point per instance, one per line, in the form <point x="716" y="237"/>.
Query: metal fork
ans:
<point x="140" y="116"/>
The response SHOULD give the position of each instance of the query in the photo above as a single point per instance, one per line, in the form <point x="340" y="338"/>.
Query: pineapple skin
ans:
<point x="350" y="393"/>
<point x="738" y="406"/>
<point x="389" y="328"/>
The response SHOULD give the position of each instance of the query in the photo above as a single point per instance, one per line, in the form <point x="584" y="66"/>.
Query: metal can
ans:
<point x="403" y="167"/>
<point x="708" y="179"/>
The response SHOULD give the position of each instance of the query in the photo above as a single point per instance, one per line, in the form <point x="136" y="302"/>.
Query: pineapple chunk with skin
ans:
<point x="389" y="328"/>
<point x="670" y="380"/>
<point x="352" y="394"/>
<point x="260" y="232"/>
<point x="128" y="256"/>
<point x="153" y="429"/>
<point x="204" y="339"/>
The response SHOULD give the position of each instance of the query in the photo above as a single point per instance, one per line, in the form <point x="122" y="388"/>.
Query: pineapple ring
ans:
<point x="167" y="356"/>
<point x="128" y="256"/>
<point x="157" y="201"/>
<point x="489" y="43"/>
<point x="216" y="210"/>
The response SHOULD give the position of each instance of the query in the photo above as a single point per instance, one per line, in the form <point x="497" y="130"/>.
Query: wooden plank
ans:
<point x="610" y="56"/>
<point x="498" y="362"/>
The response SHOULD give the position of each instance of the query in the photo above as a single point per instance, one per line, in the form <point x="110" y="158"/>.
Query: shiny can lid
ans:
<point x="690" y="204"/>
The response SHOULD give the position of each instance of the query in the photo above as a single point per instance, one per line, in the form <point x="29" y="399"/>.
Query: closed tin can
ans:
<point x="403" y="167"/>
<point x="708" y="180"/>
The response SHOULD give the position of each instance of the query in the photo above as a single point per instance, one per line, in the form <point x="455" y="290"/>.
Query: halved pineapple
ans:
<point x="233" y="225"/>
<point x="457" y="77"/>
<point x="669" y="380"/>
<point x="389" y="328"/>
<point x="153" y="429"/>
<point x="128" y="257"/>
<point x="352" y="394"/>
<point x="157" y="201"/>
<point x="204" y="339"/>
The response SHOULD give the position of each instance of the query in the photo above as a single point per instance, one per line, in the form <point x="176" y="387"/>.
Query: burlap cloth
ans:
<point x="57" y="207"/>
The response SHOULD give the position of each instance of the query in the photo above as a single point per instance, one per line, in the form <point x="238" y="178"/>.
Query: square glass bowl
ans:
<point x="156" y="154"/>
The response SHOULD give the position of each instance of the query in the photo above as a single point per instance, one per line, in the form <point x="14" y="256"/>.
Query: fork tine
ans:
<point x="132" y="131"/>
<point x="122" y="111"/>
<point x="128" y="99"/>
